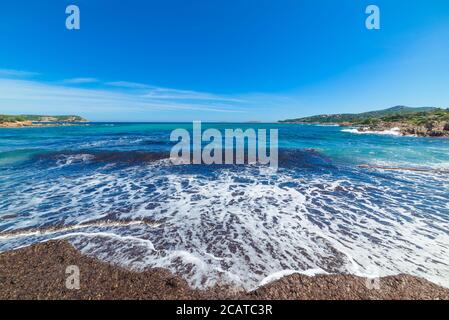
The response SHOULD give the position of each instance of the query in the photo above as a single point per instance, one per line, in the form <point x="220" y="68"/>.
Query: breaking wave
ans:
<point x="391" y="132"/>
<point x="240" y="225"/>
<point x="66" y="158"/>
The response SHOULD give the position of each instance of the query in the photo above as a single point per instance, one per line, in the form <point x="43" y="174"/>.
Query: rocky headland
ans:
<point x="422" y="122"/>
<point x="22" y="121"/>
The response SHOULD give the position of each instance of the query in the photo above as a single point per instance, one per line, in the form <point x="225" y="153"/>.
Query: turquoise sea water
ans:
<point x="340" y="202"/>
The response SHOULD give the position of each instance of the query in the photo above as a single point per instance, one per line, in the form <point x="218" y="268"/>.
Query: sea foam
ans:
<point x="391" y="132"/>
<point x="243" y="225"/>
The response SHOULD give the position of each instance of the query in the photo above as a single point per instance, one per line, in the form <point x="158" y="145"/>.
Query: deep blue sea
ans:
<point x="341" y="202"/>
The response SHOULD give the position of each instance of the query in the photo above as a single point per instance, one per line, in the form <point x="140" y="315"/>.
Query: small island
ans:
<point x="21" y="121"/>
<point x="423" y="122"/>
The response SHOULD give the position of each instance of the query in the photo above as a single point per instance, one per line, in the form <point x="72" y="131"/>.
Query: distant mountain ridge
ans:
<point x="359" y="117"/>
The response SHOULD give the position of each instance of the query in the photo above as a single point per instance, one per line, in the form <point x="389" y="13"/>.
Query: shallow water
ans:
<point x="340" y="202"/>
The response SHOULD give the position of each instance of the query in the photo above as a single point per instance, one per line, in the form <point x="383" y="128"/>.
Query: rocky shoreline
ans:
<point x="437" y="129"/>
<point x="32" y="124"/>
<point x="400" y="120"/>
<point x="39" y="272"/>
<point x="23" y="121"/>
<point x="22" y="124"/>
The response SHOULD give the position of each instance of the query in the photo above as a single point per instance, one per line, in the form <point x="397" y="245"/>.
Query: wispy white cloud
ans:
<point x="124" y="100"/>
<point x="81" y="80"/>
<point x="16" y="73"/>
<point x="160" y="93"/>
<point x="27" y="96"/>
<point x="173" y="94"/>
<point x="128" y="85"/>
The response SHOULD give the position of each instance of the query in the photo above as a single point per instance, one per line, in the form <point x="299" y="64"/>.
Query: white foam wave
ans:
<point x="284" y="273"/>
<point x="244" y="226"/>
<point x="66" y="160"/>
<point x="121" y="141"/>
<point x="391" y="132"/>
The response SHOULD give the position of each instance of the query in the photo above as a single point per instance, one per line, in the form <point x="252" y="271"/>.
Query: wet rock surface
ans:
<point x="39" y="272"/>
<point x="431" y="129"/>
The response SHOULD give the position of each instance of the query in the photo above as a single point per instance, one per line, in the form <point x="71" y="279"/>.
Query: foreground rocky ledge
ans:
<point x="38" y="272"/>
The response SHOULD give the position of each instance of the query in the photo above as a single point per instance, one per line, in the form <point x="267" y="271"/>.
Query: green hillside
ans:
<point x="398" y="113"/>
<point x="37" y="118"/>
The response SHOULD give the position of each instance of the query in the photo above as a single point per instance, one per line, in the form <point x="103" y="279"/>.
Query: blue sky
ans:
<point x="221" y="60"/>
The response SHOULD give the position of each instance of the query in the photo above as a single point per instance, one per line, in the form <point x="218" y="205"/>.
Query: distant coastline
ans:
<point x="22" y="121"/>
<point x="406" y="121"/>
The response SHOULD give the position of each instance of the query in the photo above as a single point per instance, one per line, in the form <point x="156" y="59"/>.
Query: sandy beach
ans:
<point x="38" y="272"/>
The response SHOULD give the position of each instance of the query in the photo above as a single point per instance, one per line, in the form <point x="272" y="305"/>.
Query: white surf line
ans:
<point x="285" y="273"/>
<point x="106" y="235"/>
<point x="13" y="234"/>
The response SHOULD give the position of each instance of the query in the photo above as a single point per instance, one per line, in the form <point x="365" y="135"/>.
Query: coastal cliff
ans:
<point x="424" y="122"/>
